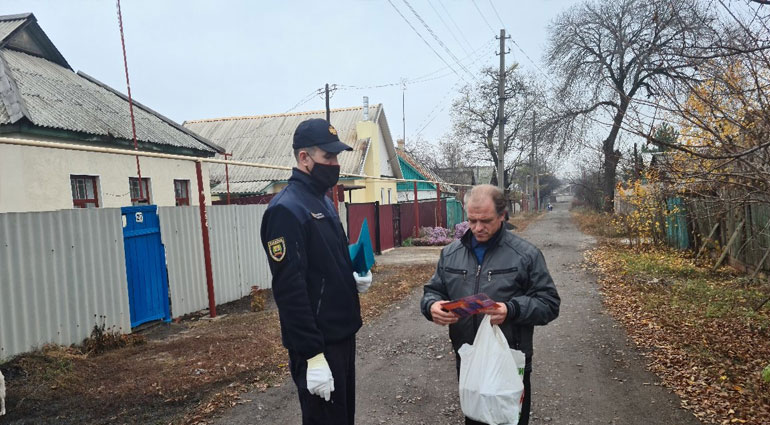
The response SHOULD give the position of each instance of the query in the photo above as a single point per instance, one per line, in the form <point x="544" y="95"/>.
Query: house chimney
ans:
<point x="366" y="108"/>
<point x="401" y="144"/>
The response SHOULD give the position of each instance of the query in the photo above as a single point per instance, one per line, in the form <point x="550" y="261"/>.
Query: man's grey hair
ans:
<point x="309" y="149"/>
<point x="487" y="191"/>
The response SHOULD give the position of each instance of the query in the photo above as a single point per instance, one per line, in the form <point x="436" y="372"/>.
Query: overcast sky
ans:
<point x="197" y="59"/>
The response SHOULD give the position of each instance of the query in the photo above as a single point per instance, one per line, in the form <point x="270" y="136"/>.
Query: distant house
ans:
<point x="267" y="139"/>
<point x="43" y="99"/>
<point x="472" y="175"/>
<point x="414" y="170"/>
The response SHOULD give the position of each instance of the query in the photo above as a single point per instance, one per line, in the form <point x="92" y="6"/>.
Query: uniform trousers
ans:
<point x="340" y="410"/>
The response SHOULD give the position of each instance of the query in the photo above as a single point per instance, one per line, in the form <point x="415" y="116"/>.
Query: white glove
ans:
<point x="363" y="282"/>
<point x="319" y="377"/>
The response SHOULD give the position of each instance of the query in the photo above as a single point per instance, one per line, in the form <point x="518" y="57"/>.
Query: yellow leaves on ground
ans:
<point x="698" y="329"/>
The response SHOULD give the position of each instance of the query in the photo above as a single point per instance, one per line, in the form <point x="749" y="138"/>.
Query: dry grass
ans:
<point x="181" y="378"/>
<point x="595" y="223"/>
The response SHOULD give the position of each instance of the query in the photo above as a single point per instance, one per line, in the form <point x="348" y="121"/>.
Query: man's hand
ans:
<point x="363" y="282"/>
<point x="319" y="377"/>
<point x="441" y="316"/>
<point x="497" y="314"/>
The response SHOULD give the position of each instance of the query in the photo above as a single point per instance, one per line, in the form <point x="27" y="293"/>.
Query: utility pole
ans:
<point x="403" y="108"/>
<point x="532" y="167"/>
<point x="327" y="104"/>
<point x="501" y="114"/>
<point x="536" y="180"/>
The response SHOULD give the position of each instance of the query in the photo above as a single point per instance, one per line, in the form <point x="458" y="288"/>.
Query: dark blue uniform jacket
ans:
<point x="313" y="282"/>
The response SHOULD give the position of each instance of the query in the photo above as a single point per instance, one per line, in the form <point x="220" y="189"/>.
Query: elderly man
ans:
<point x="508" y="269"/>
<point x="314" y="285"/>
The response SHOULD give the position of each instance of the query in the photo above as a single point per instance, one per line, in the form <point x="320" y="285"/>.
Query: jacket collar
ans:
<point x="304" y="180"/>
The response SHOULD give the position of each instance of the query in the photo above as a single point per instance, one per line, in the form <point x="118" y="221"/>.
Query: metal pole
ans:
<point x="206" y="244"/>
<point x="416" y="213"/>
<point x="500" y="115"/>
<point x="335" y="198"/>
<point x="403" y="108"/>
<point x="438" y="206"/>
<point x="227" y="177"/>
<point x="130" y="104"/>
<point x="327" y="104"/>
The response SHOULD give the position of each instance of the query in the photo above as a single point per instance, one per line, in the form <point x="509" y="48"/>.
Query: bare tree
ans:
<point x="475" y="117"/>
<point x="606" y="53"/>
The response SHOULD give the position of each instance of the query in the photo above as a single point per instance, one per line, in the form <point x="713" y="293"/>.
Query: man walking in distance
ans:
<point x="314" y="285"/>
<point x="508" y="269"/>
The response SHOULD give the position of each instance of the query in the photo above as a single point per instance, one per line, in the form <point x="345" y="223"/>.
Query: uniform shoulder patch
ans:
<point x="277" y="249"/>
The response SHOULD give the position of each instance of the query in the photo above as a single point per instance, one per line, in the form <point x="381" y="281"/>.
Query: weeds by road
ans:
<point x="701" y="331"/>
<point x="200" y="366"/>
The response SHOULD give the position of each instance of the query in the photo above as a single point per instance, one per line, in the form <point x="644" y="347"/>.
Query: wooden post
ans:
<point x="727" y="247"/>
<point x="416" y="213"/>
<point x="703" y="247"/>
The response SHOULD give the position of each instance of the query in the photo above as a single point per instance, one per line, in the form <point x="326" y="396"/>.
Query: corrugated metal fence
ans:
<point x="61" y="273"/>
<point x="238" y="260"/>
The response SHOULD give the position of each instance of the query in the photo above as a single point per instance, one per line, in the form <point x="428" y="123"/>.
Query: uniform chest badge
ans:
<point x="277" y="249"/>
<point x="317" y="216"/>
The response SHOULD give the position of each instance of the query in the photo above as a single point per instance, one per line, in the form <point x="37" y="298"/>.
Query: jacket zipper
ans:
<point x="476" y="291"/>
<point x="320" y="297"/>
<point x="491" y="272"/>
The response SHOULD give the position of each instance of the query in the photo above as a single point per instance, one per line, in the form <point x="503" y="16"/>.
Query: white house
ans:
<point x="43" y="99"/>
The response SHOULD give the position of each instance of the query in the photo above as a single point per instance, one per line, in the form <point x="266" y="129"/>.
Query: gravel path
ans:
<point x="585" y="370"/>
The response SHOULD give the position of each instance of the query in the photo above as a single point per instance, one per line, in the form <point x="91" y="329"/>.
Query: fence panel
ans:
<point x="386" y="227"/>
<point x="225" y="264"/>
<point x="61" y="273"/>
<point x="454" y="213"/>
<point x="676" y="224"/>
<point x="406" y="219"/>
<point x="254" y="268"/>
<point x="180" y="231"/>
<point x="356" y="215"/>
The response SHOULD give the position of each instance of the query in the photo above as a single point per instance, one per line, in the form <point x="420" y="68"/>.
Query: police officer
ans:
<point x="314" y="285"/>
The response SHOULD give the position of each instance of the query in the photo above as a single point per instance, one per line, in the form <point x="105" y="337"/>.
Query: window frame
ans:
<point x="182" y="201"/>
<point x="147" y="191"/>
<point x="84" y="202"/>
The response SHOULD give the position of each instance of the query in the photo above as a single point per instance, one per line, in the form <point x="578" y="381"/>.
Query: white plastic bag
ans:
<point x="491" y="385"/>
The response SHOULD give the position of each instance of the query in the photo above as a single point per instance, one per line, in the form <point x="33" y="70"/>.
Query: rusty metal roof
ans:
<point x="267" y="139"/>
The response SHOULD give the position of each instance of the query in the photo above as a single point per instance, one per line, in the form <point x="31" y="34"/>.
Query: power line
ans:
<point x="496" y="14"/>
<point x="449" y="15"/>
<point x="451" y="32"/>
<point x="423" y="39"/>
<point x="438" y="40"/>
<point x="482" y="15"/>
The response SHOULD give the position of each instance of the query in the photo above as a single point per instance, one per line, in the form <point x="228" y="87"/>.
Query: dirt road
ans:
<point x="585" y="371"/>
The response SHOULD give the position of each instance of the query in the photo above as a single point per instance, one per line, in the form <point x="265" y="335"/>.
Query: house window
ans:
<point x="182" y="192"/>
<point x="389" y="201"/>
<point x="133" y="184"/>
<point x="382" y="196"/>
<point x="84" y="193"/>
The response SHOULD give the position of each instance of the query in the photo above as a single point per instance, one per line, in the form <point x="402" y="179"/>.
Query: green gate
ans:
<point x="676" y="224"/>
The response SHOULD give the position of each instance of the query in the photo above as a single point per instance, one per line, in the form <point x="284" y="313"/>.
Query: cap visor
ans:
<point x="334" y="147"/>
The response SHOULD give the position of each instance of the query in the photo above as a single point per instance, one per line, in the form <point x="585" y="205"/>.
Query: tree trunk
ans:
<point x="612" y="156"/>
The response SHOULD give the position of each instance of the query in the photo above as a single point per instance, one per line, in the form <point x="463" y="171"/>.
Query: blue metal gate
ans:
<point x="145" y="265"/>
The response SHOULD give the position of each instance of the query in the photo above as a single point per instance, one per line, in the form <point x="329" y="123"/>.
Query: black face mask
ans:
<point x="325" y="175"/>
